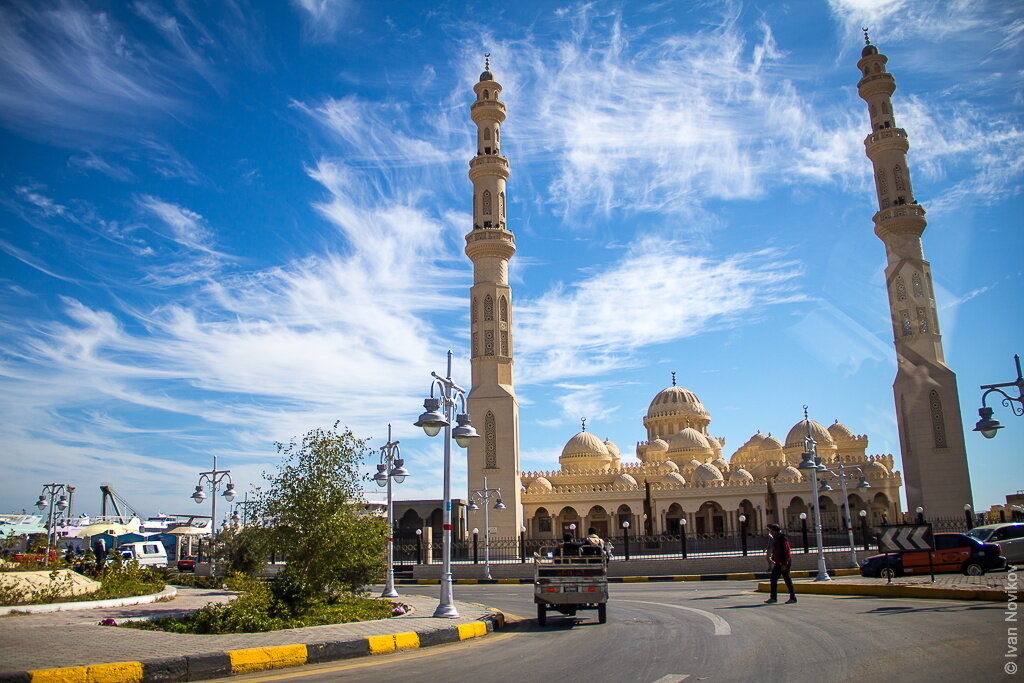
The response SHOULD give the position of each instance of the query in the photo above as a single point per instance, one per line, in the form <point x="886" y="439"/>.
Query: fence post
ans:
<point x="625" y="539"/>
<point x="682" y="537"/>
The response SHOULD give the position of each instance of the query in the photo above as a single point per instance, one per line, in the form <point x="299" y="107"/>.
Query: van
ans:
<point x="1009" y="537"/>
<point x="146" y="553"/>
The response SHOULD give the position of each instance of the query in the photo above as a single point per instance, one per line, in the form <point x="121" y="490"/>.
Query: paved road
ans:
<point x="721" y="631"/>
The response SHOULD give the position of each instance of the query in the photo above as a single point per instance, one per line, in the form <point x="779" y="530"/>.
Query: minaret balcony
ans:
<point x="886" y="134"/>
<point x="488" y="164"/>
<point x="488" y="103"/>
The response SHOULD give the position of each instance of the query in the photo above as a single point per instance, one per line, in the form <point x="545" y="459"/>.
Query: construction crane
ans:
<point x="109" y="494"/>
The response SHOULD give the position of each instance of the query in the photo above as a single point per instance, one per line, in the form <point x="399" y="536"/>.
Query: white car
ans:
<point x="1009" y="536"/>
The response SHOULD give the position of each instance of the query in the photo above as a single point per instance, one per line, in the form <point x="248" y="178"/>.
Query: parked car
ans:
<point x="187" y="564"/>
<point x="1009" y="537"/>
<point x="953" y="553"/>
<point x="33" y="557"/>
<point x="146" y="553"/>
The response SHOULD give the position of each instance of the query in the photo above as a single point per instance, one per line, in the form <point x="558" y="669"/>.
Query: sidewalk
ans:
<point x="32" y="642"/>
<point x="995" y="587"/>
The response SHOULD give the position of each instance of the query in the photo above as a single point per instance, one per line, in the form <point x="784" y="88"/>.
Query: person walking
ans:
<point x="780" y="557"/>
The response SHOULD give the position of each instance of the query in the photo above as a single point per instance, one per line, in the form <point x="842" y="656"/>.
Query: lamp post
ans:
<point x="432" y="420"/>
<point x="743" y="533"/>
<point x="920" y="514"/>
<point x="419" y="546"/>
<point x="484" y="495"/>
<point x="572" y="528"/>
<point x="522" y="544"/>
<point x="803" y="530"/>
<point x="968" y="516"/>
<point x="63" y="493"/>
<point x="391" y="467"/>
<point x="840" y="473"/>
<point x="682" y="536"/>
<point x="808" y="463"/>
<point x="864" y="528"/>
<point x="989" y="426"/>
<point x="625" y="538"/>
<point x="214" y="477"/>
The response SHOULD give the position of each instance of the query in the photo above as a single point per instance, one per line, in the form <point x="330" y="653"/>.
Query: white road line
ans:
<point x="672" y="678"/>
<point x="721" y="625"/>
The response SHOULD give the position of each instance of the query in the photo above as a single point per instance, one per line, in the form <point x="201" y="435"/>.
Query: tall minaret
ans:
<point x="927" y="403"/>
<point x="489" y="245"/>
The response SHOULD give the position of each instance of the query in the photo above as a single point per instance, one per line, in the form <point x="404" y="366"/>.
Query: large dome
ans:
<point x="708" y="472"/>
<point x="676" y="401"/>
<point x="770" y="443"/>
<point x="585" y="452"/>
<point x="795" y="438"/>
<point x="841" y="432"/>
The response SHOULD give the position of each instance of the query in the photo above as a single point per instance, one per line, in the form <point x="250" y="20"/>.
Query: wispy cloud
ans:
<point x="323" y="18"/>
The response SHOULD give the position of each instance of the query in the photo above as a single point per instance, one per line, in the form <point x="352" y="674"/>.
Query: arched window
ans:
<point x="885" y="108"/>
<point x="503" y="309"/>
<point x="488" y="308"/>
<point x="487" y="133"/>
<point x="497" y="136"/>
<point x="487" y="95"/>
<point x="473" y="311"/>
<point x="501" y="206"/>
<point x="873" y="111"/>
<point x="897" y="173"/>
<point x="487" y="202"/>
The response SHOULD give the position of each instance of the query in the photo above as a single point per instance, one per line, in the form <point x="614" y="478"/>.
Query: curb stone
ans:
<point x="228" y="662"/>
<point x="75" y="605"/>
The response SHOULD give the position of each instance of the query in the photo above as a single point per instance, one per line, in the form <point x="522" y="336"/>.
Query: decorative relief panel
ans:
<point x="938" y="422"/>
<point x="473" y="311"/>
<point x="901" y="289"/>
<point x="503" y="309"/>
<point x="488" y="342"/>
<point x="905" y="324"/>
<point x="476" y="347"/>
<point x="487" y="202"/>
<point x="504" y="344"/>
<point x="922" y="320"/>
<point x="501" y="206"/>
<point x="918" y="287"/>
<point x="883" y="184"/>
<point x="490" y="442"/>
<point x="488" y="308"/>
<point x="897" y="173"/>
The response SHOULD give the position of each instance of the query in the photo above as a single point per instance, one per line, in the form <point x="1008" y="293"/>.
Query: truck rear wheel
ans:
<point x="542" y="614"/>
<point x="602" y="613"/>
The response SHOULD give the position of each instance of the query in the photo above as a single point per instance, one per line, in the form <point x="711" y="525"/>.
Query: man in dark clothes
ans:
<point x="780" y="557"/>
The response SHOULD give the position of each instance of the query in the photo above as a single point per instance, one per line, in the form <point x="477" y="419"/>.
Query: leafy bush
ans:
<point x="120" y="579"/>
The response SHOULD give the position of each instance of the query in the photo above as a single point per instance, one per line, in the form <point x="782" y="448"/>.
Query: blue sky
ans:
<point x="224" y="224"/>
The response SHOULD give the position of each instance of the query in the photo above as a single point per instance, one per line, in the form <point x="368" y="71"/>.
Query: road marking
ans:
<point x="672" y="678"/>
<point x="721" y="625"/>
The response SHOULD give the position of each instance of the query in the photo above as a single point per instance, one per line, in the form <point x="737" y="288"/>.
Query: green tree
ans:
<point x="242" y="551"/>
<point x="315" y="505"/>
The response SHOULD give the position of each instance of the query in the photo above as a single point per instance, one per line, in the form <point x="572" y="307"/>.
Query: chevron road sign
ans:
<point x="903" y="537"/>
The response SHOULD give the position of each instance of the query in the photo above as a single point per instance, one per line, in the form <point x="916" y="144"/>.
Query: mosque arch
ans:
<point x="709" y="519"/>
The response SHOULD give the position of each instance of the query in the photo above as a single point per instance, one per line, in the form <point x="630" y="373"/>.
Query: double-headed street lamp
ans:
<point x="391" y="467"/>
<point x="484" y="495"/>
<point x="989" y="426"/>
<point x="862" y="483"/>
<point x="438" y="414"/>
<point x="809" y="462"/>
<point x="214" y="478"/>
<point x="64" y="494"/>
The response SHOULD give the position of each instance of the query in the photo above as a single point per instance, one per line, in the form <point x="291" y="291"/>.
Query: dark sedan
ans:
<point x="953" y="553"/>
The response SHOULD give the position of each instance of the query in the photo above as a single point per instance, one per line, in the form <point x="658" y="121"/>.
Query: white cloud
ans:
<point x="323" y="18"/>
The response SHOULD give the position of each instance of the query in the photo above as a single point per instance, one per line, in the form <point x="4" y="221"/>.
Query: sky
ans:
<point x="225" y="224"/>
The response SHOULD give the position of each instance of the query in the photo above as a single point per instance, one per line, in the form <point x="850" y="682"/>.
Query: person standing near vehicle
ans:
<point x="780" y="558"/>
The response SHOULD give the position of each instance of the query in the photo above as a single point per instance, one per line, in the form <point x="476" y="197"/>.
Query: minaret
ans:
<point x="489" y="245"/>
<point x="927" y="403"/>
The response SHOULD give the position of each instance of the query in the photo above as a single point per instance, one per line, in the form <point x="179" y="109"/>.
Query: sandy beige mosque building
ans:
<point x="680" y="471"/>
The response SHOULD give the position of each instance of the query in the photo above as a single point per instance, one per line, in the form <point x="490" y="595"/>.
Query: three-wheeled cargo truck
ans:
<point x="570" y="578"/>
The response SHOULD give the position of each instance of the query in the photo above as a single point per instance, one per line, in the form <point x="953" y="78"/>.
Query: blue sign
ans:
<point x="448" y="506"/>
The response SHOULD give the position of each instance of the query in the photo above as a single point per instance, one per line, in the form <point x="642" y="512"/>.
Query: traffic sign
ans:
<point x="904" y="537"/>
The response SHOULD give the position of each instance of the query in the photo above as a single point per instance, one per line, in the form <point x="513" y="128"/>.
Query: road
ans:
<point x="714" y="631"/>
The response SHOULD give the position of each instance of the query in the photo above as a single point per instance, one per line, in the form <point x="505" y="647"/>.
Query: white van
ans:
<point x="146" y="553"/>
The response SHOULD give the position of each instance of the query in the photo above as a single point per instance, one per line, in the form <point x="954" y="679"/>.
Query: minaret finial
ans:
<point x="673" y="379"/>
<point x="867" y="40"/>
<point x="584" y="421"/>
<point x="487" y="61"/>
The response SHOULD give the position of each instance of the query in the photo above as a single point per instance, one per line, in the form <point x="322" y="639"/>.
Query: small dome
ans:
<point x="869" y="50"/>
<point x="673" y="479"/>
<point x="657" y="446"/>
<point x="721" y="464"/>
<point x="611" y="447"/>
<point x="676" y="401"/>
<point x="670" y="466"/>
<point x="795" y="438"/>
<point x="539" y="485"/>
<point x="708" y="472"/>
<point x="584" y="444"/>
<point x="841" y="432"/>
<point x="876" y="469"/>
<point x="625" y="480"/>
<point x="688" y="439"/>
<point x="789" y="475"/>
<point x="770" y="443"/>
<point x="741" y="475"/>
<point x="715" y="444"/>
<point x="486" y="76"/>
<point x="695" y="463"/>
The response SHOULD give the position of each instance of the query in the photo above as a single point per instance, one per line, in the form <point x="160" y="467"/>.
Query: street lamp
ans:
<point x="484" y="495"/>
<point x="64" y="494"/>
<point x="743" y="533"/>
<point x="625" y="538"/>
<point x="439" y="413"/>
<point x="920" y="514"/>
<point x="214" y="477"/>
<point x="803" y="529"/>
<point x="862" y="483"/>
<point x="968" y="516"/>
<point x="391" y="467"/>
<point x="989" y="426"/>
<point x="808" y="463"/>
<point x="682" y="536"/>
<point x="864" y="527"/>
<point x="419" y="546"/>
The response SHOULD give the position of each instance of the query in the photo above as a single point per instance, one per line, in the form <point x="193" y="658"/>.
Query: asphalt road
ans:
<point x="713" y="631"/>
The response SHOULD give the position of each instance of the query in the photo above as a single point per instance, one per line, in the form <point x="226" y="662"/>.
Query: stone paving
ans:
<point x="42" y="641"/>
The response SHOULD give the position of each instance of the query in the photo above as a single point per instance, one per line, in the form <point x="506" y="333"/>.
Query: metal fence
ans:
<point x="658" y="547"/>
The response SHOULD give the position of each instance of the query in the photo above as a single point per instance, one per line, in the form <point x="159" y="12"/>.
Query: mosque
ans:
<point x="680" y="475"/>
